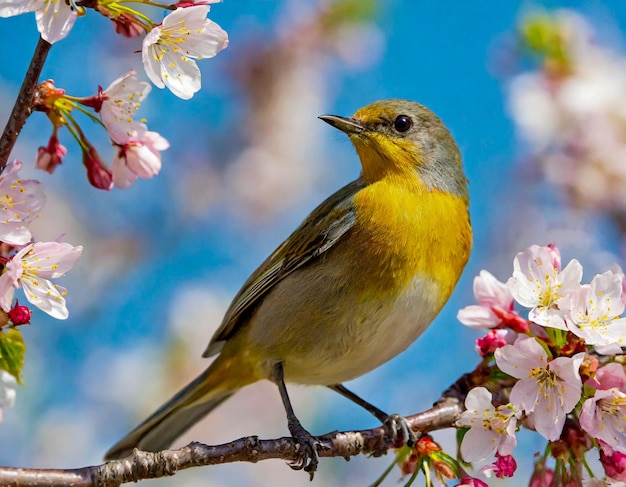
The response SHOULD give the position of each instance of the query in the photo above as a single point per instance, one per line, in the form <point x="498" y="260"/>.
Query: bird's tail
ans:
<point x="178" y="414"/>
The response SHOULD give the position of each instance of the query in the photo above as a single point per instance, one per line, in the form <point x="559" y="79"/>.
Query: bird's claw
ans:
<point x="308" y="445"/>
<point x="398" y="431"/>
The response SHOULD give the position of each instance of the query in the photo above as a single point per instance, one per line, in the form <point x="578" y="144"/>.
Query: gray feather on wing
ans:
<point x="326" y="225"/>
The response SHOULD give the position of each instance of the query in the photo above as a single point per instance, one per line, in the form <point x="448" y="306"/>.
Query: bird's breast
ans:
<point x="373" y="293"/>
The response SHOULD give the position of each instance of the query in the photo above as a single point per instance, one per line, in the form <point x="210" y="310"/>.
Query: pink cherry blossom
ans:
<point x="20" y="203"/>
<point x="592" y="312"/>
<point x="31" y="268"/>
<point x="138" y="157"/>
<point x="504" y="466"/>
<point x="169" y="49"/>
<point x="614" y="462"/>
<point x="538" y="283"/>
<point x="495" y="305"/>
<point x="548" y="389"/>
<point x="603" y="416"/>
<point x="611" y="375"/>
<point x="491" y="429"/>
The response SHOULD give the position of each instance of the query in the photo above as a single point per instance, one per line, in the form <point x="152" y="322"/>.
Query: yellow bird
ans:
<point x="353" y="286"/>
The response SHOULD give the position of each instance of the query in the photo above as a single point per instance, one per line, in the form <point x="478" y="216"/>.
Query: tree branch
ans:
<point x="142" y="465"/>
<point x="21" y="109"/>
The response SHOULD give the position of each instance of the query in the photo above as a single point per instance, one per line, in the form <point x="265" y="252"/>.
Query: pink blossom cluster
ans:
<point x="571" y="110"/>
<point x="27" y="264"/>
<point x="24" y="263"/>
<point x="169" y="53"/>
<point x="170" y="48"/>
<point x="137" y="151"/>
<point x="565" y="360"/>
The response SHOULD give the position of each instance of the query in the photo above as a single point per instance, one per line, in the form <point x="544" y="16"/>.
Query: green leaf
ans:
<point x="12" y="350"/>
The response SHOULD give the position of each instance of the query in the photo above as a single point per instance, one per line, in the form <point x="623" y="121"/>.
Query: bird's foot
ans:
<point x="399" y="432"/>
<point x="308" y="446"/>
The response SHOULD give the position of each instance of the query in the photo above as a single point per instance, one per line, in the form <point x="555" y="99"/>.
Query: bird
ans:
<point x="353" y="286"/>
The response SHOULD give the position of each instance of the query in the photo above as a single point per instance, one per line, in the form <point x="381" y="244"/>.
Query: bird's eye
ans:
<point x="402" y="123"/>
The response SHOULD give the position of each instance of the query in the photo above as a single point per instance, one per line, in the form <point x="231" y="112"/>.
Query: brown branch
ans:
<point x="21" y="109"/>
<point x="141" y="465"/>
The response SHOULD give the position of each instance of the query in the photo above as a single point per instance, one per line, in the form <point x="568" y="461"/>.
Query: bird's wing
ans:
<point x="318" y="233"/>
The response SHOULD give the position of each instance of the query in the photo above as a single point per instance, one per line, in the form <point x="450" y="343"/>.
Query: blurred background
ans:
<point x="534" y="93"/>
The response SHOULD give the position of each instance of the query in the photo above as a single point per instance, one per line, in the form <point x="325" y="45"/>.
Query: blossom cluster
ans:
<point x="25" y="263"/>
<point x="28" y="265"/>
<point x="169" y="48"/>
<point x="571" y="109"/>
<point x="137" y="151"/>
<point x="564" y="363"/>
<point x="169" y="51"/>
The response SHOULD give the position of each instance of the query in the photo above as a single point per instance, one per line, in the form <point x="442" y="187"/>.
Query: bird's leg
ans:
<point x="307" y="456"/>
<point x="397" y="426"/>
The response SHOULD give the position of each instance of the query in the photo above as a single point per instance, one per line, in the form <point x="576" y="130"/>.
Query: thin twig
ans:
<point x="21" y="109"/>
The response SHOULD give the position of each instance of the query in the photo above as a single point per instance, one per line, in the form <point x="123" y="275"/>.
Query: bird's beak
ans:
<point x="345" y="124"/>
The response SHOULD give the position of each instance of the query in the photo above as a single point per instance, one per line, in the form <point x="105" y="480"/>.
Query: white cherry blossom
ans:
<point x="120" y="101"/>
<point x="539" y="283"/>
<point x="169" y="49"/>
<point x="55" y="18"/>
<point x="20" y="203"/>
<point x="491" y="429"/>
<point x="547" y="389"/>
<point x="31" y="268"/>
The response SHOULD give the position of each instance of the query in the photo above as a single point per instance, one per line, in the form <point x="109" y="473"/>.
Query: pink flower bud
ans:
<point x="127" y="25"/>
<point x="97" y="173"/>
<point x="542" y="477"/>
<point x="505" y="466"/>
<point x="493" y="340"/>
<point x="48" y="158"/>
<point x="19" y="314"/>
<point x="613" y="461"/>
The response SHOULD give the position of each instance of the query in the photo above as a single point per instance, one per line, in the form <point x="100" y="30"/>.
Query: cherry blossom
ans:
<point x="614" y="462"/>
<point x="504" y="466"/>
<point x="119" y="102"/>
<point x="31" y="268"/>
<point x="603" y="416"/>
<point x="139" y="157"/>
<point x="491" y="429"/>
<point x="548" y="389"/>
<point x="20" y="202"/>
<point x="571" y="113"/>
<point x="593" y="312"/>
<point x="169" y="49"/>
<point x="55" y="18"/>
<point x="495" y="305"/>
<point x="539" y="283"/>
